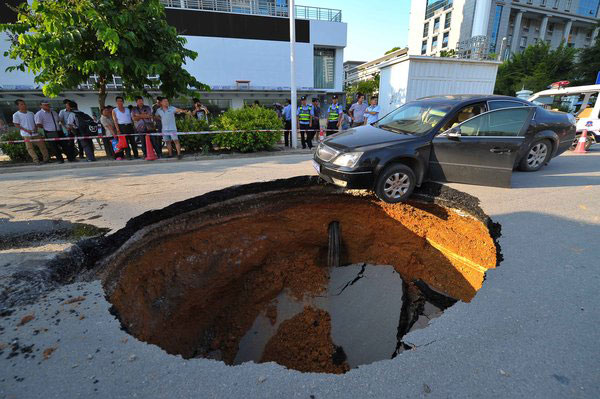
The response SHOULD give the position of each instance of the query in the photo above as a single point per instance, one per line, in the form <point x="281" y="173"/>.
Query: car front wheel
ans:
<point x="537" y="156"/>
<point x="395" y="184"/>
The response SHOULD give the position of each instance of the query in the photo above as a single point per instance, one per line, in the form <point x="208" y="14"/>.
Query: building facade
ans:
<point x="350" y="72"/>
<point x="480" y="28"/>
<point x="243" y="55"/>
<point x="368" y="70"/>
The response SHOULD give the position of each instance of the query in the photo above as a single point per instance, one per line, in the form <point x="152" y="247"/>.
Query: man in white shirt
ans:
<point x="124" y="124"/>
<point x="166" y="113"/>
<point x="47" y="120"/>
<point x="372" y="112"/>
<point x="25" y="121"/>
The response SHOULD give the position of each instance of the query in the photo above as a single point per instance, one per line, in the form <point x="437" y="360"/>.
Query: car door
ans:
<point x="481" y="150"/>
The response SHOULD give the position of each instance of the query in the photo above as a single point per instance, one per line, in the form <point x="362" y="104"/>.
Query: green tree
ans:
<point x="65" y="42"/>
<point x="535" y="68"/>
<point x="448" y="53"/>
<point x="588" y="64"/>
<point x="366" y="87"/>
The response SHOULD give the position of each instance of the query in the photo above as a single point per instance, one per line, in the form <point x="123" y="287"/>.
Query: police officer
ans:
<point x="305" y="115"/>
<point x="334" y="116"/>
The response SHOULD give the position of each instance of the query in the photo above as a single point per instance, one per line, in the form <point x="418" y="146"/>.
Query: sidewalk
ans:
<point x="108" y="162"/>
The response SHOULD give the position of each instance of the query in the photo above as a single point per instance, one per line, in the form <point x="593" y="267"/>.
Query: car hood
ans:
<point x="363" y="137"/>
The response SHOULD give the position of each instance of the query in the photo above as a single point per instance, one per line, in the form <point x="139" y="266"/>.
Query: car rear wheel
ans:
<point x="537" y="156"/>
<point x="395" y="184"/>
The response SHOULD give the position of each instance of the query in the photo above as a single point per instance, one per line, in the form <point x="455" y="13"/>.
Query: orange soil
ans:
<point x="197" y="291"/>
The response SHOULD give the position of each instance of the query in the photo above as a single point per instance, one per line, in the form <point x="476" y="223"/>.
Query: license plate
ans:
<point x="316" y="166"/>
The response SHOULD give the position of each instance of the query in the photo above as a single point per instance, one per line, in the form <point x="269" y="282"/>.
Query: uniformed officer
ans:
<point x="305" y="114"/>
<point x="334" y="116"/>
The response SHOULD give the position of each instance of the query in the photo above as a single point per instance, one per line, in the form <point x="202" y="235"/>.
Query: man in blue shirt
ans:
<point x="305" y="116"/>
<point x="372" y="112"/>
<point x="287" y="117"/>
<point x="334" y="116"/>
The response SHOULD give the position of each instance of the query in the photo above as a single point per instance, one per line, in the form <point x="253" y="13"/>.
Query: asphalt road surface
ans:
<point x="531" y="331"/>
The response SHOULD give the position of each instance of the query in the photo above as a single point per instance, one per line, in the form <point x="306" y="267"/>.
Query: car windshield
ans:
<point x="417" y="117"/>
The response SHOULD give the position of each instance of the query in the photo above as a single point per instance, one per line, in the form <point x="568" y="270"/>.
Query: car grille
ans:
<point x="326" y="153"/>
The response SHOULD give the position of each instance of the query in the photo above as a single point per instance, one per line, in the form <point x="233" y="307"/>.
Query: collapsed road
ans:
<point x="529" y="331"/>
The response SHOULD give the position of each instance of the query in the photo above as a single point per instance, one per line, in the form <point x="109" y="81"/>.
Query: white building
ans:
<point x="410" y="77"/>
<point x="368" y="70"/>
<point x="350" y="71"/>
<point x="482" y="25"/>
<point x="243" y="55"/>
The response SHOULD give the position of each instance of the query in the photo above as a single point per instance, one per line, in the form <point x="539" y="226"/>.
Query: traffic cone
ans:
<point x="580" y="149"/>
<point x="321" y="134"/>
<point x="150" y="154"/>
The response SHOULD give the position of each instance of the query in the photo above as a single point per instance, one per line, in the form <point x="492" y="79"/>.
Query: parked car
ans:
<point x="466" y="139"/>
<point x="582" y="101"/>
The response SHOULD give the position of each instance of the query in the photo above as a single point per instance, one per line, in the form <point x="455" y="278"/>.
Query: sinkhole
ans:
<point x="296" y="272"/>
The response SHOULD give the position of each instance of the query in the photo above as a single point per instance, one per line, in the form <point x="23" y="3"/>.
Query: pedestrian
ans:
<point x="305" y="114"/>
<point x="63" y="116"/>
<point x="24" y="120"/>
<point x="287" y="119"/>
<point x="346" y="120"/>
<point x="372" y="112"/>
<point x="110" y="133"/>
<point x="166" y="113"/>
<point x="144" y="123"/>
<point x="335" y="114"/>
<point x="47" y="120"/>
<point x="124" y="124"/>
<point x="84" y="126"/>
<point x="200" y="111"/>
<point x="357" y="111"/>
<point x="316" y="120"/>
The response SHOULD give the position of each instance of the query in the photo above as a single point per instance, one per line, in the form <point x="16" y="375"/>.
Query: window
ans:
<point x="550" y="29"/>
<point x="529" y="1"/>
<point x="495" y="28"/>
<point x="523" y="41"/>
<point x="588" y="8"/>
<point x="589" y="33"/>
<point x="436" y="25"/>
<point x="434" y="5"/>
<point x="426" y="30"/>
<point x="415" y="117"/>
<point x="498" y="104"/>
<point x="543" y="3"/>
<point x="324" y="68"/>
<point x="445" y="40"/>
<point x="503" y="122"/>
<point x="424" y="47"/>
<point x="464" y="114"/>
<point x="447" y="20"/>
<point x="526" y="23"/>
<point x="434" y="43"/>
<point x="568" y="5"/>
<point x="556" y="4"/>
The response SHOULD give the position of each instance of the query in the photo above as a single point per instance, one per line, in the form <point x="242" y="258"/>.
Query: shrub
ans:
<point x="249" y="119"/>
<point x="16" y="152"/>
<point x="196" y="142"/>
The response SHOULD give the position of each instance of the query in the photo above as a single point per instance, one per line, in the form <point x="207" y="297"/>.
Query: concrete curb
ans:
<point x="106" y="163"/>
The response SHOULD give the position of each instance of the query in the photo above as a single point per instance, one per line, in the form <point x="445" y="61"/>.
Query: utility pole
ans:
<point x="292" y="12"/>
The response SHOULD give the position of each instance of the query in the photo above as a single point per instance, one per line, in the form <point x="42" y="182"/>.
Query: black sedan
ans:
<point x="465" y="139"/>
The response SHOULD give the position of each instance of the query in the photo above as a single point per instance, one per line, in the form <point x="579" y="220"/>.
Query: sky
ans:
<point x="374" y="26"/>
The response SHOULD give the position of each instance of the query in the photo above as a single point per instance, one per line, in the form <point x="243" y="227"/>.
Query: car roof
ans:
<point x="456" y="98"/>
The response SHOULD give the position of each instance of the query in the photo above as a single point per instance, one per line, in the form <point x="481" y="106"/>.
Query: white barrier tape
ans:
<point x="71" y="138"/>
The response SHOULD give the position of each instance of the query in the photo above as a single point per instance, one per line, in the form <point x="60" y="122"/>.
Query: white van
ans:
<point x="581" y="101"/>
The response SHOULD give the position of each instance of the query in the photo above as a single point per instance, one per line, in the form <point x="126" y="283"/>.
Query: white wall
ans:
<point x="415" y="26"/>
<point x="222" y="61"/>
<point x="415" y="77"/>
<point x="325" y="33"/>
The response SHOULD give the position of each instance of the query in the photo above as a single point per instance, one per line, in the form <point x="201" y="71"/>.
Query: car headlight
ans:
<point x="349" y="159"/>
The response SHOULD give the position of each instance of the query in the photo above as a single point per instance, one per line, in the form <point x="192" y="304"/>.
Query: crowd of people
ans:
<point x="117" y="126"/>
<point x="123" y="128"/>
<point x="338" y="119"/>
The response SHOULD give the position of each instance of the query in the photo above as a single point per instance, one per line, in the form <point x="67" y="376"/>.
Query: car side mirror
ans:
<point x="453" y="134"/>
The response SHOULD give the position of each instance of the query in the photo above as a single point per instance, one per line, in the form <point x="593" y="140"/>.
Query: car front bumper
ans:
<point x="348" y="179"/>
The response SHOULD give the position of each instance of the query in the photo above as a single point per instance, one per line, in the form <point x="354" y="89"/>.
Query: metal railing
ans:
<point x="257" y="7"/>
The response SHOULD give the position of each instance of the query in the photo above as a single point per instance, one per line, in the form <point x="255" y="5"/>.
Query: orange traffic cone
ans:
<point x="321" y="134"/>
<point x="580" y="149"/>
<point x="150" y="154"/>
